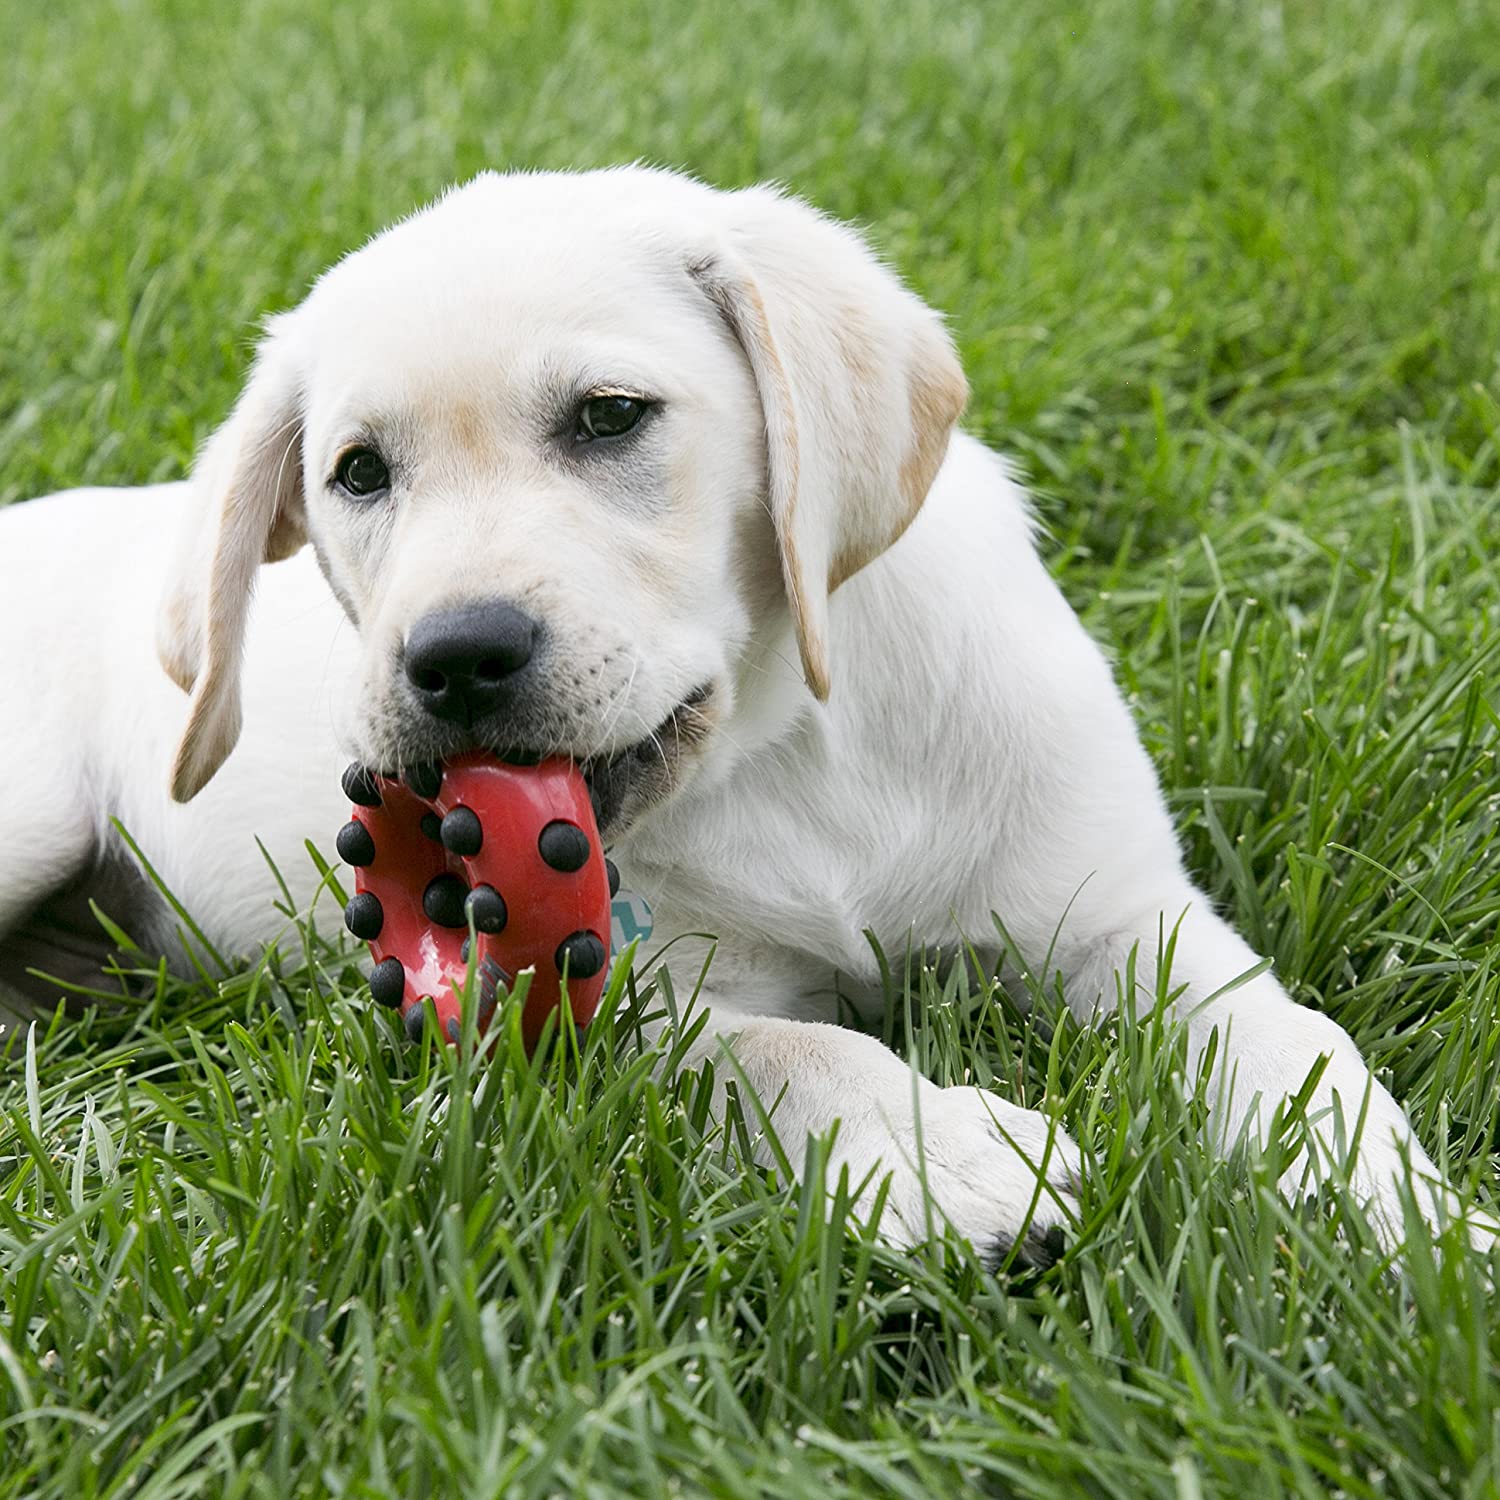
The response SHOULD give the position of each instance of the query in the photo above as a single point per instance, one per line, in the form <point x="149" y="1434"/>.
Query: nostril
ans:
<point x="462" y="662"/>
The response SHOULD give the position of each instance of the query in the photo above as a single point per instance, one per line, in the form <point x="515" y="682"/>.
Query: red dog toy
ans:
<point x="515" y="848"/>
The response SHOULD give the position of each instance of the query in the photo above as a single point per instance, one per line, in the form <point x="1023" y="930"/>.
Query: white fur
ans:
<point x="973" y="754"/>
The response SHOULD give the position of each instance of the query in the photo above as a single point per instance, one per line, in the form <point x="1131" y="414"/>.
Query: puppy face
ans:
<point x="564" y="445"/>
<point x="509" y="401"/>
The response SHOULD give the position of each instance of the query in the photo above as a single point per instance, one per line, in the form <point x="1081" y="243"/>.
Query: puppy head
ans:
<point x="545" y="437"/>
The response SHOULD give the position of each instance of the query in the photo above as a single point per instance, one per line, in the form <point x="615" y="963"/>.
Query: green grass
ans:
<point x="1227" y="280"/>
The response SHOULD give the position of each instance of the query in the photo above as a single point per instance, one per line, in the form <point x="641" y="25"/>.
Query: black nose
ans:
<point x="461" y="661"/>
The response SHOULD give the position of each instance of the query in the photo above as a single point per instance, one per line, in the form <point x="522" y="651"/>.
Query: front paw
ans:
<point x="1004" y="1178"/>
<point x="1389" y="1170"/>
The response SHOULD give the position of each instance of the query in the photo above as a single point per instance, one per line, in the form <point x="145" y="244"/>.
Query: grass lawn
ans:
<point x="1226" y="278"/>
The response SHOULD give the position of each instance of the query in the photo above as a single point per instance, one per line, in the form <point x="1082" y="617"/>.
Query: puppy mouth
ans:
<point x="627" y="782"/>
<point x="622" y="783"/>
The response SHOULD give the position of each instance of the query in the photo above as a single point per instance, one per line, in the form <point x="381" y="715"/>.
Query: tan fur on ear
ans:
<point x="937" y="392"/>
<point x="859" y="390"/>
<point x="248" y="483"/>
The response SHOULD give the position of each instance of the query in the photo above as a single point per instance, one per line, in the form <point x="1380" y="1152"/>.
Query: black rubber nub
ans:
<point x="432" y="826"/>
<point x="612" y="870"/>
<point x="416" y="1021"/>
<point x="443" y="901"/>
<point x="388" y="983"/>
<point x="355" y="845"/>
<point x="425" y="780"/>
<point x="583" y="954"/>
<point x="364" y="916"/>
<point x="487" y="907"/>
<point x="564" y="846"/>
<point x="464" y="951"/>
<point x="461" y="833"/>
<point x="359" y="786"/>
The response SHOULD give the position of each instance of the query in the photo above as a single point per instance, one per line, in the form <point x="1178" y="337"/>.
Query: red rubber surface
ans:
<point x="545" y="906"/>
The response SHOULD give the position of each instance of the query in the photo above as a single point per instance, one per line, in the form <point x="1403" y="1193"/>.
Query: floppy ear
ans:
<point x="248" y="509"/>
<point x="859" y="386"/>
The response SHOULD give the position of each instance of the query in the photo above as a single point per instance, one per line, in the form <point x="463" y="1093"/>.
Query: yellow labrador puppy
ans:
<point x="664" y="478"/>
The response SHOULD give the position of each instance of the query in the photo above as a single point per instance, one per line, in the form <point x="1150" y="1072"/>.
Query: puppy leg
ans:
<point x="1003" y="1177"/>
<point x="48" y="840"/>
<point x="68" y="579"/>
<point x="1268" y="1046"/>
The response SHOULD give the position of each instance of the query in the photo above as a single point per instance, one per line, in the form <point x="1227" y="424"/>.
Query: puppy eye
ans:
<point x="608" y="417"/>
<point x="362" y="472"/>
